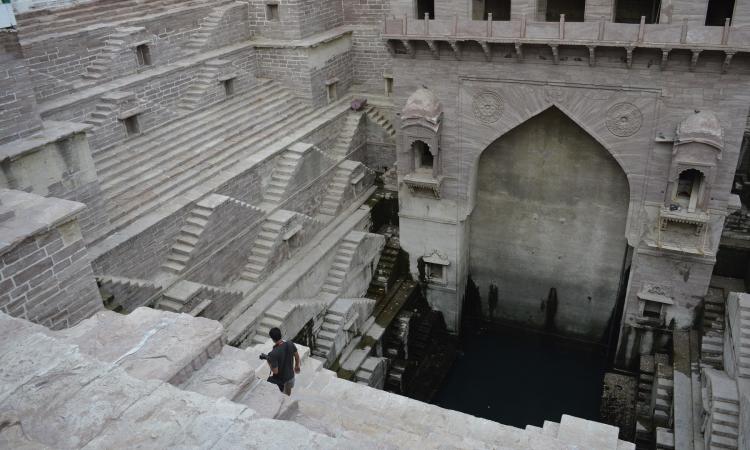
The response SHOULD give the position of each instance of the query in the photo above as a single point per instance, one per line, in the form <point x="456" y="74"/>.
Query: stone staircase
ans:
<point x="182" y="297"/>
<point x="334" y="282"/>
<point x="116" y="291"/>
<point x="277" y="187"/>
<point x="273" y="317"/>
<point x="187" y="239"/>
<point x="712" y="341"/>
<point x="217" y="396"/>
<point x="34" y="24"/>
<point x="208" y="26"/>
<point x="342" y="146"/>
<point x="271" y="235"/>
<point x="721" y="405"/>
<point x="105" y="109"/>
<point x="342" y="179"/>
<point x="743" y="363"/>
<point x="114" y="46"/>
<point x="195" y="94"/>
<point x="376" y="116"/>
<point x="149" y="170"/>
<point x="333" y="321"/>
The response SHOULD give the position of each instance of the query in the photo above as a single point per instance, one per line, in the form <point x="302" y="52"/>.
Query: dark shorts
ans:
<point x="289" y="384"/>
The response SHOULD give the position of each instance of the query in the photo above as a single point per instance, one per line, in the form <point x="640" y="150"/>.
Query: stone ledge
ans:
<point x="31" y="214"/>
<point x="51" y="133"/>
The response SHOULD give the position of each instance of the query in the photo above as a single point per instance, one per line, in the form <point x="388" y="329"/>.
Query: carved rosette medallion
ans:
<point x="624" y="119"/>
<point x="488" y="107"/>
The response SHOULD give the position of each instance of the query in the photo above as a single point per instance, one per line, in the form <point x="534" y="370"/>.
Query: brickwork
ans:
<point x="18" y="114"/>
<point x="370" y="60"/>
<point x="338" y="67"/>
<point x="370" y="12"/>
<point x="228" y="221"/>
<point x="48" y="280"/>
<point x="296" y="19"/>
<point x="288" y="65"/>
<point x="58" y="65"/>
<point x="21" y="6"/>
<point x="157" y="99"/>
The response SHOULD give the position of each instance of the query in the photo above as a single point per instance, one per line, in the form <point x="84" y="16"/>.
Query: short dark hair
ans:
<point x="275" y="334"/>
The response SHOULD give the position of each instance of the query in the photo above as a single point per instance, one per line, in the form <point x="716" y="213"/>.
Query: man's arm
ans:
<point x="296" y="362"/>
<point x="271" y="363"/>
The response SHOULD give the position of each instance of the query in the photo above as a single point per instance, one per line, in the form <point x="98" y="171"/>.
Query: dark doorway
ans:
<point x="630" y="11"/>
<point x="718" y="11"/>
<point x="425" y="7"/>
<point x="500" y="9"/>
<point x="573" y="10"/>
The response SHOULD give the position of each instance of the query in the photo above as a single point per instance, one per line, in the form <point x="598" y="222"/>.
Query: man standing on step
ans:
<point x="280" y="361"/>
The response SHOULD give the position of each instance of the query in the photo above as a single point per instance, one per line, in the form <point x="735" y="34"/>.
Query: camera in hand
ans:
<point x="263" y="356"/>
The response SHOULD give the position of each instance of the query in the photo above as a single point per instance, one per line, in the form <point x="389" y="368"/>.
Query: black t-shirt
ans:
<point x="282" y="357"/>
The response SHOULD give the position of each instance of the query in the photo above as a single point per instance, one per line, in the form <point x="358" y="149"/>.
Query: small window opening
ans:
<point x="423" y="156"/>
<point x="388" y="86"/>
<point x="272" y="11"/>
<point x="228" y="87"/>
<point x="630" y="11"/>
<point x="332" y="91"/>
<point x="688" y="189"/>
<point x="435" y="273"/>
<point x="550" y="10"/>
<point x="500" y="9"/>
<point x="143" y="55"/>
<point x="425" y="7"/>
<point x="651" y="309"/>
<point x="132" y="127"/>
<point x="718" y="11"/>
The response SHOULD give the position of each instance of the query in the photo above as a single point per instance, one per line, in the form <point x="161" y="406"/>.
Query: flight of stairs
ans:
<point x="265" y="244"/>
<point x="117" y="366"/>
<point x="324" y="340"/>
<point x="195" y="94"/>
<point x="712" y="342"/>
<point x="208" y="27"/>
<point x="342" y="146"/>
<point x="376" y="116"/>
<point x="273" y="317"/>
<point x="281" y="177"/>
<point x="117" y="291"/>
<point x="334" y="282"/>
<point x="195" y="224"/>
<point x="106" y="108"/>
<point x="341" y="181"/>
<point x="113" y="49"/>
<point x="35" y="24"/>
<point x="157" y="166"/>
<point x="721" y="402"/>
<point x="743" y="363"/>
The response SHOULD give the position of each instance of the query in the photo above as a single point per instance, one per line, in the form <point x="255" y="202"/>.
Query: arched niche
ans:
<point x="551" y="207"/>
<point x="696" y="153"/>
<point x="421" y="126"/>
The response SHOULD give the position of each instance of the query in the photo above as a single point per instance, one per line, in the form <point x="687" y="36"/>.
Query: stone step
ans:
<point x="187" y="179"/>
<point x="723" y="442"/>
<point x="169" y="133"/>
<point x="159" y="158"/>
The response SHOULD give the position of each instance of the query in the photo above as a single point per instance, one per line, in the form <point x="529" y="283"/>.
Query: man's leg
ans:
<point x="288" y="387"/>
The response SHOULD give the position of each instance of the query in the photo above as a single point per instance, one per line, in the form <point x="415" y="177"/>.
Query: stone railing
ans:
<point x="663" y="37"/>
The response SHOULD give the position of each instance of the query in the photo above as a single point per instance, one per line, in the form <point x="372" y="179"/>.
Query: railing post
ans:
<point x="489" y="24"/>
<point x="426" y="24"/>
<point x="385" y="23"/>
<point x="523" y="25"/>
<point x="600" y="36"/>
<point x="641" y="28"/>
<point x="455" y="25"/>
<point x="725" y="34"/>
<point x="404" y="25"/>
<point x="561" y="32"/>
<point x="683" y="35"/>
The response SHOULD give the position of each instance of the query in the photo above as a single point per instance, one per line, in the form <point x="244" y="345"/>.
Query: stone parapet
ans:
<point x="400" y="34"/>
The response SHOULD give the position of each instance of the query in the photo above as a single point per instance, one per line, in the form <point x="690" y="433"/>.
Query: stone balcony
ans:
<point x="400" y="35"/>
